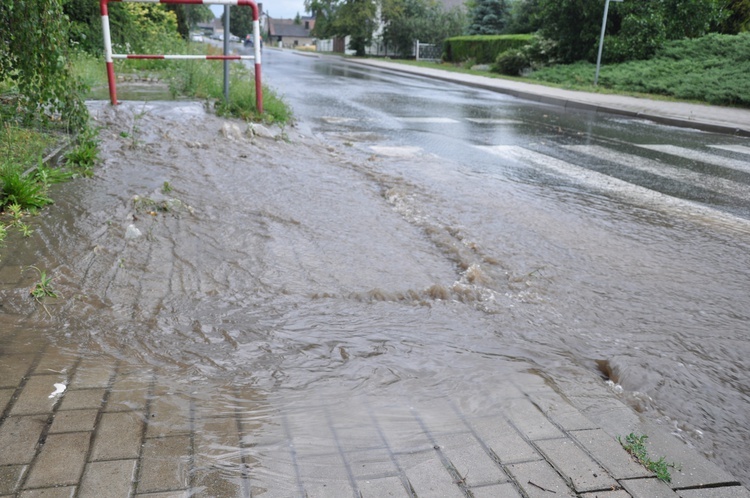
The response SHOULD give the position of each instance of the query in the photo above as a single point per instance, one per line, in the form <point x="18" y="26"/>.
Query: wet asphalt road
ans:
<point x="479" y="129"/>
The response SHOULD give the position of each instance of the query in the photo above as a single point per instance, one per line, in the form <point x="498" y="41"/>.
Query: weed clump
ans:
<point x="636" y="446"/>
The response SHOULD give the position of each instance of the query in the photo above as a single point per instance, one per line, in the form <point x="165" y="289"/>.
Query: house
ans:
<point x="289" y="34"/>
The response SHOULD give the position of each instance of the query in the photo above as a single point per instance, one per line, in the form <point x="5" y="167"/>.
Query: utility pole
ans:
<point x="601" y="40"/>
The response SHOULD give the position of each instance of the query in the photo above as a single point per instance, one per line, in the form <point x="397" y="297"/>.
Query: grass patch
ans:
<point x="195" y="79"/>
<point x="636" y="446"/>
<point x="712" y="69"/>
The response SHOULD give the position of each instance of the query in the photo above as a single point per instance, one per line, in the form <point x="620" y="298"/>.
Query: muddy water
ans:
<point x="299" y="282"/>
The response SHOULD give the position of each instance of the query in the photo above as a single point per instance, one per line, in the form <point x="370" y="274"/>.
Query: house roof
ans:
<point x="287" y="27"/>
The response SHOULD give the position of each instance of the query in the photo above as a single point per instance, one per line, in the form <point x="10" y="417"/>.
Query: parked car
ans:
<point x="196" y="37"/>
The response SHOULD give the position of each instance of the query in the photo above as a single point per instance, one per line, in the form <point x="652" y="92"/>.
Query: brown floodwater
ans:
<point x="298" y="282"/>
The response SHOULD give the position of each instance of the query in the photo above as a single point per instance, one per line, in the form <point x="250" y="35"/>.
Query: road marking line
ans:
<point x="697" y="155"/>
<point x="733" y="148"/>
<point x="493" y="121"/>
<point x="633" y="193"/>
<point x="716" y="184"/>
<point x="436" y="120"/>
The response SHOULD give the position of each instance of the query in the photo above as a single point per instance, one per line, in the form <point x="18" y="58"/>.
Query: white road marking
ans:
<point x="435" y="120"/>
<point x="700" y="156"/>
<point x="492" y="121"/>
<point x="733" y="148"/>
<point x="720" y="185"/>
<point x="633" y="193"/>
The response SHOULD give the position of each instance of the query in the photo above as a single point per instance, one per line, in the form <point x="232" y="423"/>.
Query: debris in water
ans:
<point x="59" y="389"/>
<point x="132" y="232"/>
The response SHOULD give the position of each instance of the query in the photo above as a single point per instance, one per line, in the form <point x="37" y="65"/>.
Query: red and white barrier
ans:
<point x="109" y="56"/>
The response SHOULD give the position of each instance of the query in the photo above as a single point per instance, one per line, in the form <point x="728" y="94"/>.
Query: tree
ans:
<point x="424" y="20"/>
<point x="574" y="25"/>
<point x="240" y="20"/>
<point x="34" y="56"/>
<point x="524" y="17"/>
<point x="354" y="18"/>
<point x="190" y="15"/>
<point x="738" y="17"/>
<point x="489" y="17"/>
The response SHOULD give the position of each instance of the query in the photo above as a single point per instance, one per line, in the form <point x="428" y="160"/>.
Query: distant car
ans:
<point x="233" y="38"/>
<point x="217" y="36"/>
<point x="196" y="38"/>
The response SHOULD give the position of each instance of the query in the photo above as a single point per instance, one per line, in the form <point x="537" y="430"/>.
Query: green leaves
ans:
<point x="34" y="57"/>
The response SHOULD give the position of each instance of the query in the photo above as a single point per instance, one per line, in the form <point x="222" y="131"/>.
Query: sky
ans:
<point x="279" y="9"/>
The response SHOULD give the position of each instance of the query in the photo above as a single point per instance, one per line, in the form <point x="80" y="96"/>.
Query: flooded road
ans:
<point x="317" y="295"/>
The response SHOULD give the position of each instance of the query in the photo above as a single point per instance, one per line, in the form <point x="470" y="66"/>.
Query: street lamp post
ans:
<point x="601" y="40"/>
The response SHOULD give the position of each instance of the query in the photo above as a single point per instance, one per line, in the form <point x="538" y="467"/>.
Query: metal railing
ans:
<point x="109" y="56"/>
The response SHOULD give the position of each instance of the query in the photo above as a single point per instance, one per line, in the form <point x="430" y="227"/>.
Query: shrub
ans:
<point x="483" y="48"/>
<point x="511" y="62"/>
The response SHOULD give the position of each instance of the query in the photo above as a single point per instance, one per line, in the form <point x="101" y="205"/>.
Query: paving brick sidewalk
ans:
<point x="121" y="431"/>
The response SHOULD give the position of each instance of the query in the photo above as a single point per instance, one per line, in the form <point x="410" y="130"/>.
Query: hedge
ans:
<point x="484" y="49"/>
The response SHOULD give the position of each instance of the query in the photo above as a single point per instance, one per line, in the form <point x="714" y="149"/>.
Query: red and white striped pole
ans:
<point x="109" y="56"/>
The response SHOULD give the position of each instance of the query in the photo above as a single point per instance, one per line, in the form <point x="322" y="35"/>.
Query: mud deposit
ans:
<point x="267" y="298"/>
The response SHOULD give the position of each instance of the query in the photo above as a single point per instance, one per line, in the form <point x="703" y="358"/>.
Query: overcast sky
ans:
<point x="280" y="9"/>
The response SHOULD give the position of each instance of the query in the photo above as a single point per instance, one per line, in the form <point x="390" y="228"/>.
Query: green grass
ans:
<point x="712" y="69"/>
<point x="636" y="446"/>
<point x="43" y="288"/>
<point x="197" y="79"/>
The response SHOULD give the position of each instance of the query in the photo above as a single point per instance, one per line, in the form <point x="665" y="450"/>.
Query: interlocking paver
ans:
<point x="35" y="396"/>
<point x="608" y="452"/>
<point x="118" y="436"/>
<point x="647" y="488"/>
<point x="575" y="465"/>
<point x="212" y="483"/>
<point x="75" y="399"/>
<point x="169" y="415"/>
<point x="384" y="486"/>
<point x="74" y="421"/>
<point x="559" y="411"/>
<point x="428" y="476"/>
<point x="164" y="465"/>
<point x="539" y="480"/>
<point x="5" y="396"/>
<point x="128" y="393"/>
<point x="723" y="492"/>
<point x="470" y="460"/>
<point x="371" y="464"/>
<point x="61" y="492"/>
<point x="10" y="478"/>
<point x="504" y="441"/>
<point x="111" y="478"/>
<point x="530" y="421"/>
<point x="619" y="493"/>
<point x="55" y="361"/>
<point x="13" y="368"/>
<point x="19" y="437"/>
<point x="61" y="460"/>
<point x="91" y="375"/>
<point x="167" y="494"/>
<point x="507" y="490"/>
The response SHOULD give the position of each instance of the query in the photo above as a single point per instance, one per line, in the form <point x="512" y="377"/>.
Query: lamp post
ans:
<point x="601" y="39"/>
